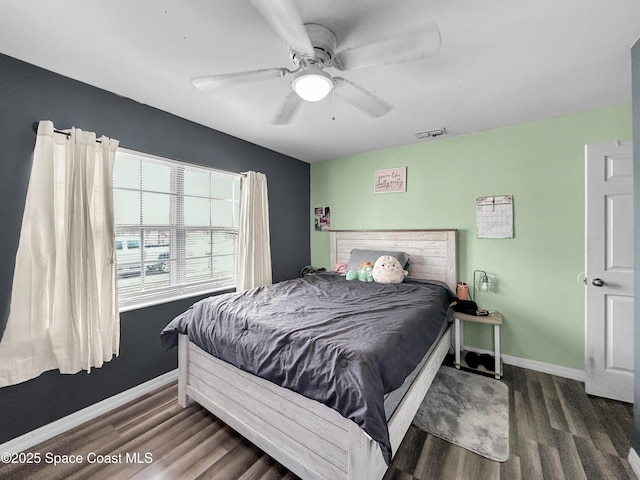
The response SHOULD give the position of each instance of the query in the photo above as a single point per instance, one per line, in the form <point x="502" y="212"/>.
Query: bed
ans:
<point x="309" y="437"/>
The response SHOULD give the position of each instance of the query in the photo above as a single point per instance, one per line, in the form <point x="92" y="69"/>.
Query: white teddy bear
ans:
<point x="387" y="269"/>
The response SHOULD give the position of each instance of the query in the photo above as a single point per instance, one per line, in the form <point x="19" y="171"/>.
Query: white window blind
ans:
<point x="176" y="228"/>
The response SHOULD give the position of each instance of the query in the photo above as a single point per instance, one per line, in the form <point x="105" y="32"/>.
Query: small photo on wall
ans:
<point x="323" y="219"/>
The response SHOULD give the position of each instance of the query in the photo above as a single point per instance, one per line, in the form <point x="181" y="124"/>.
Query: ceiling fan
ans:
<point x="312" y="48"/>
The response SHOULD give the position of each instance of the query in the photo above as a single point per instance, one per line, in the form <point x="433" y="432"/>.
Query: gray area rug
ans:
<point x="469" y="410"/>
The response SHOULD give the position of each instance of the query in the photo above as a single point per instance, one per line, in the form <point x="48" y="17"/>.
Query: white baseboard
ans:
<point x="65" y="424"/>
<point x="634" y="462"/>
<point x="560" y="371"/>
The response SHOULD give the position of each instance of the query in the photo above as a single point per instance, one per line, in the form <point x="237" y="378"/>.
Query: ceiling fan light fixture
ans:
<point x="312" y="84"/>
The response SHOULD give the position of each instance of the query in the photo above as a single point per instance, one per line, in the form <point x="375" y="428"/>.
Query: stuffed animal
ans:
<point x="363" y="273"/>
<point x="387" y="269"/>
<point x="340" y="268"/>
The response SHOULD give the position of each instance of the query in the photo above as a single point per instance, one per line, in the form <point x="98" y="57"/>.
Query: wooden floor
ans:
<point x="556" y="432"/>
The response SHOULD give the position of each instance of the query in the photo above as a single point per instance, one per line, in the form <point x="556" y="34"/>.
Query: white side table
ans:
<point x="495" y="319"/>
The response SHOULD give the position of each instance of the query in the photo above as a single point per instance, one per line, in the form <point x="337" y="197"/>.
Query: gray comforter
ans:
<point x="345" y="344"/>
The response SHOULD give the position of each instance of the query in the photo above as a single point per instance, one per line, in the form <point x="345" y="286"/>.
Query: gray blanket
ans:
<point x="345" y="344"/>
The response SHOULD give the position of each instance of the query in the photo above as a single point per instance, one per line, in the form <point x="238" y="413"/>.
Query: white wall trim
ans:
<point x="558" y="370"/>
<point x="634" y="461"/>
<point x="35" y="437"/>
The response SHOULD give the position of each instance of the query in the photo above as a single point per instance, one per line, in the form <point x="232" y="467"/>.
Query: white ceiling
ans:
<point x="501" y="62"/>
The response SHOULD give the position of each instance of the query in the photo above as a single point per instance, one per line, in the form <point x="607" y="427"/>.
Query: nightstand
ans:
<point x="495" y="319"/>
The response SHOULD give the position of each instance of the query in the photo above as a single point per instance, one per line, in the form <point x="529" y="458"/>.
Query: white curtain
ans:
<point x="254" y="248"/>
<point x="64" y="302"/>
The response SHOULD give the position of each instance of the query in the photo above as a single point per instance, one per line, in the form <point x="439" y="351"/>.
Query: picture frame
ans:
<point x="322" y="217"/>
<point x="390" y="180"/>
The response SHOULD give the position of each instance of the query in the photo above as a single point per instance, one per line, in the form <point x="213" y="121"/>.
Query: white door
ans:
<point x="609" y="271"/>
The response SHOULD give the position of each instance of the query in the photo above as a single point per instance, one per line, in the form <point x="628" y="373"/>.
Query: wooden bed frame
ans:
<point x="309" y="438"/>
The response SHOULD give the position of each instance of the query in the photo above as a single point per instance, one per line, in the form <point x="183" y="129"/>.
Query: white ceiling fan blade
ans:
<point x="284" y="18"/>
<point x="360" y="98"/>
<point x="416" y="45"/>
<point x="288" y="109"/>
<point x="211" y="82"/>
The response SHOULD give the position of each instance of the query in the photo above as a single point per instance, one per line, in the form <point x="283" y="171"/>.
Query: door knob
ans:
<point x="597" y="282"/>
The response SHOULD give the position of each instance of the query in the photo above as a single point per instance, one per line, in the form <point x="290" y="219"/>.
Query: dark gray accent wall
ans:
<point x="29" y="94"/>
<point x="635" y="98"/>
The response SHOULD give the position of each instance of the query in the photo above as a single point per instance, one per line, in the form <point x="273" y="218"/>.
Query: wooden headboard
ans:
<point x="432" y="252"/>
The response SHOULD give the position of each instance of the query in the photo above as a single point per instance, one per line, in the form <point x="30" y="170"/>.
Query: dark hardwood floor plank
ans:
<point x="159" y="399"/>
<point x="556" y="415"/>
<point x="394" y="473"/>
<point x="184" y="454"/>
<point x="617" y="422"/>
<point x="524" y="425"/>
<point x="75" y="448"/>
<point x="147" y="421"/>
<point x="578" y="410"/>
<point x="571" y="462"/>
<point x="410" y="449"/>
<point x="517" y="377"/>
<point x="597" y="464"/>
<point x="57" y="446"/>
<point x="540" y="415"/>
<point x="231" y="465"/>
<point x="430" y="462"/>
<point x="557" y="432"/>
<point x="452" y="463"/>
<point x="571" y="412"/>
<point x="139" y="442"/>
<point x="86" y="438"/>
<point x="586" y="407"/>
<point x="604" y="442"/>
<point x="530" y="460"/>
<point x="627" y="469"/>
<point x="265" y="468"/>
<point x="476" y="467"/>
<point x="513" y="423"/>
<point x="511" y="469"/>
<point x="550" y="462"/>
<point x="206" y="454"/>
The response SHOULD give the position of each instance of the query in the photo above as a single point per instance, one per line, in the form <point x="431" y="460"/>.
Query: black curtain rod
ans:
<point x="67" y="134"/>
<point x="35" y="130"/>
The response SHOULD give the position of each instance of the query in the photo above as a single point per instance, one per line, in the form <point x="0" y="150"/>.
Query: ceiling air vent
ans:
<point x="436" y="132"/>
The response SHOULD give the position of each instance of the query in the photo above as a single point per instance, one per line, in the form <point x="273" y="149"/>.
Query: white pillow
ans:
<point x="388" y="269"/>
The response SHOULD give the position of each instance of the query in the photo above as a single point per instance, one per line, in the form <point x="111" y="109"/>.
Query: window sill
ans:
<point x="133" y="304"/>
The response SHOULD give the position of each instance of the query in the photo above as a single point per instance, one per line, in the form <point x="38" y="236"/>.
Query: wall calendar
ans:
<point x="495" y="216"/>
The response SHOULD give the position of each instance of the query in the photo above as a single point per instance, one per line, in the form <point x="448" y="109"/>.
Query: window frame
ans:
<point x="178" y="231"/>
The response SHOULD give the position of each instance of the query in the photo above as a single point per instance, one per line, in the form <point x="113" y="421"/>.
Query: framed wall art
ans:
<point x="390" y="180"/>
<point x="322" y="219"/>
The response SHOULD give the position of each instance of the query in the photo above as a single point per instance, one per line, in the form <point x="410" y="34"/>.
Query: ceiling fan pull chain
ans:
<point x="333" y="104"/>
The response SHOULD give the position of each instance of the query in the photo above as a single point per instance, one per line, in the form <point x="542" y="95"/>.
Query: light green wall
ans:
<point x="542" y="165"/>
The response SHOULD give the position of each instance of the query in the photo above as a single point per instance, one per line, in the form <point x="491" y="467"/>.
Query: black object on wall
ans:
<point x="29" y="94"/>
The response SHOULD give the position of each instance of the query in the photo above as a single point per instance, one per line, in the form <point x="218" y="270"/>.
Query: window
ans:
<point x="176" y="228"/>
